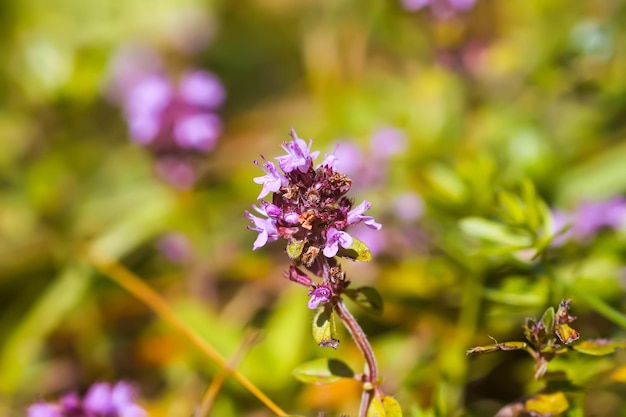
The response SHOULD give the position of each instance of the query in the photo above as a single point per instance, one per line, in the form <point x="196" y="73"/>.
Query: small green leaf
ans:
<point x="548" y="320"/>
<point x="324" y="327"/>
<point x="294" y="248"/>
<point x="358" y="251"/>
<point x="512" y="206"/>
<point x="498" y="346"/>
<point x="323" y="371"/>
<point x="376" y="408"/>
<point x="599" y="347"/>
<point x="367" y="298"/>
<point x="494" y="232"/>
<point x="391" y="407"/>
<point x="566" y="334"/>
<point x="550" y="404"/>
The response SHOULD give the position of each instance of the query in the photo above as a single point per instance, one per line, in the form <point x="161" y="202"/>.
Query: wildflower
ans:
<point x="334" y="239"/>
<point x="356" y="215"/>
<point x="319" y="295"/>
<point x="272" y="181"/>
<point x="298" y="156"/>
<point x="102" y="400"/>
<point x="266" y="228"/>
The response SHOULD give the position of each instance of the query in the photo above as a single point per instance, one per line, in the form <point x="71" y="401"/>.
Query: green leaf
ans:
<point x="494" y="232"/>
<point x="498" y="346"/>
<point x="599" y="347"/>
<point x="566" y="334"/>
<point x="550" y="404"/>
<point x="294" y="248"/>
<point x="391" y="407"/>
<point x="358" y="251"/>
<point x="548" y="320"/>
<point x="367" y="298"/>
<point x="324" y="327"/>
<point x="323" y="371"/>
<point x="513" y="209"/>
<point x="376" y="408"/>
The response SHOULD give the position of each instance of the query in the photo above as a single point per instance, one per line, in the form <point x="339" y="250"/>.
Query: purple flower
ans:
<point x="272" y="181"/>
<point x="334" y="239"/>
<point x="388" y="141"/>
<point x="202" y="89"/>
<point x="198" y="131"/>
<point x="102" y="399"/>
<point x="349" y="158"/>
<point x="145" y="104"/>
<point x="176" y="247"/>
<point x="356" y="216"/>
<point x="266" y="228"/>
<point x="168" y="117"/>
<point x="588" y="219"/>
<point x="117" y="400"/>
<point x="320" y="295"/>
<point x="299" y="155"/>
<point x="442" y="9"/>
<point x="44" y="410"/>
<point x="409" y="207"/>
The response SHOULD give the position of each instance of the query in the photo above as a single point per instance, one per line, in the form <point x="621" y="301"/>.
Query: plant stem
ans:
<point x="371" y="374"/>
<point x="134" y="285"/>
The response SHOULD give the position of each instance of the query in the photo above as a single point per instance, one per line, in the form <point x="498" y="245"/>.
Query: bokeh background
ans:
<point x="433" y="108"/>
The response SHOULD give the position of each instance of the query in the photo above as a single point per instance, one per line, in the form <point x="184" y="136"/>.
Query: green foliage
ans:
<point x="358" y="251"/>
<point x="323" y="371"/>
<point x="367" y="298"/>
<point x="512" y="114"/>
<point x="324" y="327"/>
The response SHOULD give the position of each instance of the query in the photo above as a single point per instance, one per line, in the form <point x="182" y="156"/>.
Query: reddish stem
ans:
<point x="370" y="377"/>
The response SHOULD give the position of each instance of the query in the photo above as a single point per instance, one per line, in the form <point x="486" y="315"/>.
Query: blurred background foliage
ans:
<point x="487" y="101"/>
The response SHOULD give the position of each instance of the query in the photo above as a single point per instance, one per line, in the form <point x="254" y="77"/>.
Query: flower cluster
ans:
<point x="102" y="400"/>
<point x="168" y="117"/>
<point x="176" y="122"/>
<point x="309" y="209"/>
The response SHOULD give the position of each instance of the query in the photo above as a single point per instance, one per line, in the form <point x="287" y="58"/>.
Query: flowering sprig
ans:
<point x="102" y="400"/>
<point x="547" y="338"/>
<point x="310" y="210"/>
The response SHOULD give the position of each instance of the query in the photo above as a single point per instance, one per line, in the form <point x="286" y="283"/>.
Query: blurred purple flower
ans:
<point x="442" y="9"/>
<point x="170" y="118"/>
<point x="588" y="219"/>
<point x="176" y="247"/>
<point x="348" y="158"/>
<point x="102" y="400"/>
<point x="202" y="89"/>
<point x="131" y="63"/>
<point x="117" y="400"/>
<point x="387" y="142"/>
<point x="179" y="172"/>
<point x="408" y="206"/>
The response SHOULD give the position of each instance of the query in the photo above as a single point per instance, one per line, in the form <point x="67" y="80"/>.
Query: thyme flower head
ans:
<point x="308" y="207"/>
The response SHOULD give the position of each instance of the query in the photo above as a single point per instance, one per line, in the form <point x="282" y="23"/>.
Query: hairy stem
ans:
<point x="370" y="376"/>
